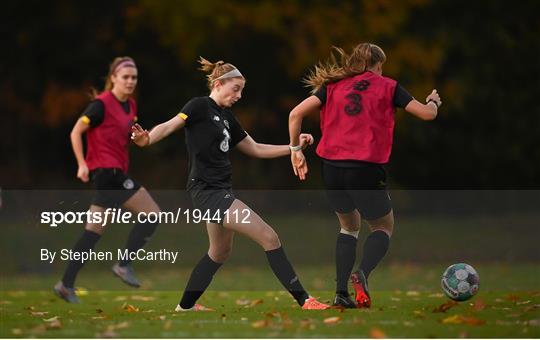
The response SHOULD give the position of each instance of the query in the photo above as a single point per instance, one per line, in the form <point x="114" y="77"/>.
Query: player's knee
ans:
<point x="271" y="239"/>
<point x="96" y="228"/>
<point x="220" y="255"/>
<point x="349" y="228"/>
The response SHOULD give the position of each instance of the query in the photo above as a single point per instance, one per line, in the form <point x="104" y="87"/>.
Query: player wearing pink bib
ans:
<point x="107" y="123"/>
<point x="357" y="106"/>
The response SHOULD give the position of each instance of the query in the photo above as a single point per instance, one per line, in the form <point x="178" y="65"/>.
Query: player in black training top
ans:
<point x="211" y="132"/>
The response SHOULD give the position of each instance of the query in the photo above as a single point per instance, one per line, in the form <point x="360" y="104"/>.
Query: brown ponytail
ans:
<point x="362" y="57"/>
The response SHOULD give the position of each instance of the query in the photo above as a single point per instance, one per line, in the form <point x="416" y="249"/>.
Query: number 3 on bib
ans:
<point x="224" y="146"/>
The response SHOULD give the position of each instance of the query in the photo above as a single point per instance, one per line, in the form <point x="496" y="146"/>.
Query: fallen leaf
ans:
<point x="523" y="302"/>
<point x="530" y="308"/>
<point x="120" y="298"/>
<point x="478" y="305"/>
<point x="337" y="307"/>
<point x="99" y="310"/>
<point x="460" y="319"/>
<point x="260" y="324"/>
<point x="142" y="298"/>
<point x="54" y="324"/>
<point x="162" y="317"/>
<point x="167" y="325"/>
<point x="255" y="303"/>
<point x="408" y="324"/>
<point x="376" y="333"/>
<point x="54" y="318"/>
<point x="413" y="293"/>
<point x="436" y="295"/>
<point x="445" y="306"/>
<point x="120" y="325"/>
<point x="5" y="302"/>
<point x="130" y="308"/>
<point x="395" y="299"/>
<point x="101" y="317"/>
<point x="29" y="308"/>
<point x="472" y="321"/>
<point x="39" y="313"/>
<point x="419" y="314"/>
<point x="243" y="302"/>
<point x="454" y="319"/>
<point x="272" y="315"/>
<point x="332" y="320"/>
<point x="16" y="331"/>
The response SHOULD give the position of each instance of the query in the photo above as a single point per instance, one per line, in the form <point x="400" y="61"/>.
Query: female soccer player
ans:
<point x="211" y="132"/>
<point x="107" y="122"/>
<point x="357" y="106"/>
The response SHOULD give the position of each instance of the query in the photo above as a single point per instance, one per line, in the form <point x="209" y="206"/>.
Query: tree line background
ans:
<point x="482" y="56"/>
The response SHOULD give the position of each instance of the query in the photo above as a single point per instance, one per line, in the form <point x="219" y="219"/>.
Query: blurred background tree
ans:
<point x="482" y="56"/>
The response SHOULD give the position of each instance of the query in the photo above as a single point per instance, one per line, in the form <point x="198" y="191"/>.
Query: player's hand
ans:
<point x="299" y="164"/>
<point x="82" y="173"/>
<point x="140" y="136"/>
<point x="434" y="96"/>
<point x="306" y="139"/>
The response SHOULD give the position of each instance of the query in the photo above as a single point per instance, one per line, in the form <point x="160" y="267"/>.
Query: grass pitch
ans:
<point x="407" y="302"/>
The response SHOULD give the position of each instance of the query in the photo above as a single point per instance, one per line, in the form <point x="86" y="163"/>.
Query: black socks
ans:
<point x="200" y="279"/>
<point x="137" y="238"/>
<point x="87" y="241"/>
<point x="284" y="271"/>
<point x="206" y="268"/>
<point x="345" y="258"/>
<point x="375" y="248"/>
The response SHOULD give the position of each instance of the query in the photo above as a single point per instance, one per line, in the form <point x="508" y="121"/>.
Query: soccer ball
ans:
<point x="460" y="282"/>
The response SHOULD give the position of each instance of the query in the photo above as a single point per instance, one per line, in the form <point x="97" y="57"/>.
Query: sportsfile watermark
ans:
<point x="119" y="215"/>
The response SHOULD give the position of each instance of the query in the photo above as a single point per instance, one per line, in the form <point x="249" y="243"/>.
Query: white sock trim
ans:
<point x="352" y="233"/>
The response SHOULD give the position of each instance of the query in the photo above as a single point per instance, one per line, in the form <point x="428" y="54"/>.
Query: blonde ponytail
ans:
<point x="362" y="57"/>
<point x="215" y="70"/>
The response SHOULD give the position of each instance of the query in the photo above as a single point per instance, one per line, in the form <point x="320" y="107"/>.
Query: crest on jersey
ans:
<point x="226" y="122"/>
<point x="224" y="145"/>
<point x="128" y="184"/>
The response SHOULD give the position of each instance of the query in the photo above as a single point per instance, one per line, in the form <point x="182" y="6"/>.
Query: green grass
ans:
<point x="405" y="286"/>
<point x="404" y="298"/>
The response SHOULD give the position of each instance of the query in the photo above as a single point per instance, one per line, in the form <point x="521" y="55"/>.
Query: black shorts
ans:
<point x="212" y="202"/>
<point x="363" y="188"/>
<point x="113" y="187"/>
